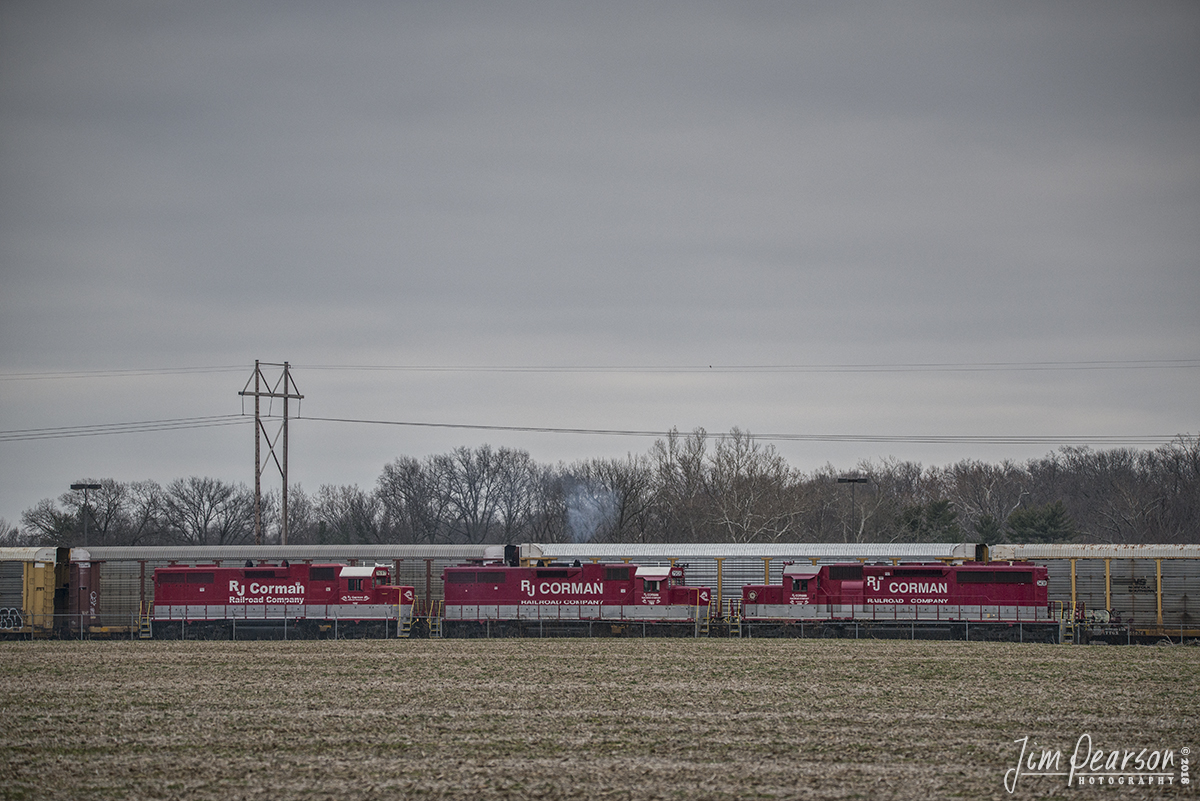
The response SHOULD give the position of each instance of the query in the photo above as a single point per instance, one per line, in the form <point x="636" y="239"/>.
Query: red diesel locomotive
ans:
<point x="506" y="599"/>
<point x="972" y="600"/>
<point x="211" y="601"/>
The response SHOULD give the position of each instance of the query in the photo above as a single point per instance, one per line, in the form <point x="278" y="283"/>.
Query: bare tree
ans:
<point x="205" y="511"/>
<point x="751" y="490"/>
<point x="547" y="521"/>
<point x="348" y="515"/>
<point x="13" y="537"/>
<point x="471" y="483"/>
<point x="47" y="524"/>
<point x="629" y="484"/>
<point x="739" y="491"/>
<point x="985" y="494"/>
<point x="145" y="505"/>
<point x="302" y="517"/>
<point x="516" y="483"/>
<point x="681" y="491"/>
<point x="414" y="505"/>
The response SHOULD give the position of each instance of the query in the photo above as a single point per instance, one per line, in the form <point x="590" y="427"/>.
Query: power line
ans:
<point x="100" y="429"/>
<point x="186" y="423"/>
<point x="1151" y="439"/>
<point x="899" y="367"/>
<point x="132" y="373"/>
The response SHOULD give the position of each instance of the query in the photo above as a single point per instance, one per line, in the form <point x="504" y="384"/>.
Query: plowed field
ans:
<point x="622" y="719"/>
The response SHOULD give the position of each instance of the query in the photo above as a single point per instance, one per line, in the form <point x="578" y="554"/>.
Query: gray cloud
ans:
<point x="608" y="184"/>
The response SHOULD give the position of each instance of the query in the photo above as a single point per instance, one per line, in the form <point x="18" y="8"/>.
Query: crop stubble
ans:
<point x="623" y="719"/>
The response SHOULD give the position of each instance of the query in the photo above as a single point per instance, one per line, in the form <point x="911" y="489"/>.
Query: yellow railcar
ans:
<point x="34" y="591"/>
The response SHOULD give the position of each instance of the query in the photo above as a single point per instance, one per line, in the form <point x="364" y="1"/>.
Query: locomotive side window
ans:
<point x="461" y="578"/>
<point x="491" y="577"/>
<point x="199" y="578"/>
<point x="323" y="574"/>
<point x="846" y="573"/>
<point x="651" y="586"/>
<point x="616" y="573"/>
<point x="170" y="578"/>
<point x="799" y="585"/>
<point x="354" y="585"/>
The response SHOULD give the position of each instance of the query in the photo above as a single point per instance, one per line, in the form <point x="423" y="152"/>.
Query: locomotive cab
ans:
<point x="357" y="584"/>
<point x="800" y="584"/>
<point x="652" y="585"/>
<point x="656" y="585"/>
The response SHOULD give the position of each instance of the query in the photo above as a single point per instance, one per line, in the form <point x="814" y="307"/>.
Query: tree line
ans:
<point x="690" y="487"/>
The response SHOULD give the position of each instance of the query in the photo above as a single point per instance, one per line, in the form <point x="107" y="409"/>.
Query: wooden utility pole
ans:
<point x="284" y="388"/>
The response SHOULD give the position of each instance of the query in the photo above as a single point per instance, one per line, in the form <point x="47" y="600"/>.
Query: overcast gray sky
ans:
<point x="593" y="185"/>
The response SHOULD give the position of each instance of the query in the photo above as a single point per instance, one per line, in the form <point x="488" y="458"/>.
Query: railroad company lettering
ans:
<point x="924" y="587"/>
<point x="239" y="589"/>
<point x="562" y="588"/>
<point x="876" y="584"/>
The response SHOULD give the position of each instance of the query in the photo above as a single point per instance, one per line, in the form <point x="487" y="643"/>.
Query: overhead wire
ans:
<point x="899" y="367"/>
<point x="131" y="373"/>
<point x="185" y="423"/>
<point x="784" y="437"/>
<point x="99" y="429"/>
<point x="176" y="424"/>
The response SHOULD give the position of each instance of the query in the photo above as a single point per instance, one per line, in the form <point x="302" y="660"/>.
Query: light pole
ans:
<point x="852" y="479"/>
<point x="85" y="488"/>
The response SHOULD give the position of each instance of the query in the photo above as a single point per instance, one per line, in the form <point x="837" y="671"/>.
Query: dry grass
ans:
<point x="622" y="719"/>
